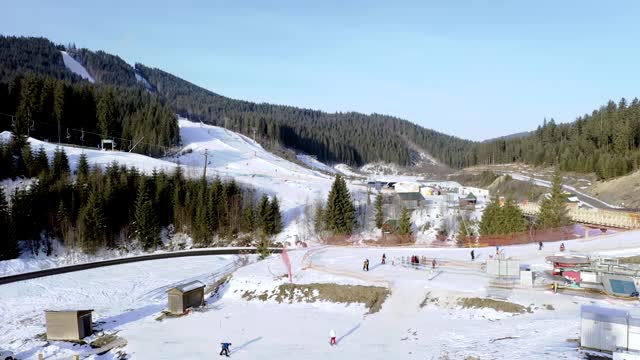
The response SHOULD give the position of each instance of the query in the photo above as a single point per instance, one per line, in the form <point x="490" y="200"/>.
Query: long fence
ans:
<point x="126" y="260"/>
<point x="598" y="217"/>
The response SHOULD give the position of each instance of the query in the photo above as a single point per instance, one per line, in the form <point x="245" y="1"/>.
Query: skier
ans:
<point x="473" y="255"/>
<point x="367" y="264"/>
<point x="433" y="264"/>
<point x="225" y="349"/>
<point x="384" y="258"/>
<point x="332" y="336"/>
<point x="540" y="245"/>
<point x="364" y="265"/>
<point x="562" y="247"/>
<point x="497" y="251"/>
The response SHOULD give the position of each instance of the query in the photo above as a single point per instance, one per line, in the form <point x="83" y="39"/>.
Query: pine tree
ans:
<point x="249" y="218"/>
<point x="60" y="164"/>
<point x="339" y="214"/>
<point x="318" y="219"/>
<point x="404" y="225"/>
<point x="263" y="246"/>
<point x="147" y="226"/>
<point x="515" y="221"/>
<point x="263" y="213"/>
<point x="59" y="100"/>
<point x="107" y="114"/>
<point x="553" y="210"/>
<point x="83" y="168"/>
<point x="8" y="245"/>
<point x="489" y="222"/>
<point x="40" y="162"/>
<point x="379" y="211"/>
<point x="268" y="220"/>
<point x="276" y="228"/>
<point x="92" y="223"/>
<point x="27" y="161"/>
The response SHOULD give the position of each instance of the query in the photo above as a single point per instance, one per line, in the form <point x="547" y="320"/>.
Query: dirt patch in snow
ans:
<point x="371" y="296"/>
<point x="498" y="305"/>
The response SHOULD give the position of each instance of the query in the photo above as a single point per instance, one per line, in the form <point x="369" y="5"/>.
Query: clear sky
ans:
<point x="475" y="69"/>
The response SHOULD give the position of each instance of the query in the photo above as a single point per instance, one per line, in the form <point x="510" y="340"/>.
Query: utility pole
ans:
<point x="254" y="134"/>
<point x="206" y="155"/>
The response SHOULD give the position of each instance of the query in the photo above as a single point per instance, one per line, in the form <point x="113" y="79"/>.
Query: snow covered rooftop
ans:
<point x="190" y="286"/>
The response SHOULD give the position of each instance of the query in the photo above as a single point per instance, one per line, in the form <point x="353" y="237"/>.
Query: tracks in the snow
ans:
<point x="127" y="260"/>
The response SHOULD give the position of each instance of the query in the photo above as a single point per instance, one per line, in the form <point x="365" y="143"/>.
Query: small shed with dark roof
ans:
<point x="185" y="296"/>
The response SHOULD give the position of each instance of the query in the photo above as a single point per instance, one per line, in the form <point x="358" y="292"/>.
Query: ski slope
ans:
<point x="230" y="156"/>
<point x="75" y="67"/>
<point x="314" y="163"/>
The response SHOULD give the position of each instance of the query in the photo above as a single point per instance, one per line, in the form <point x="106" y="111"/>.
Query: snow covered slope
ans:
<point x="230" y="156"/>
<point x="314" y="163"/>
<point x="235" y="156"/>
<point x="76" y="67"/>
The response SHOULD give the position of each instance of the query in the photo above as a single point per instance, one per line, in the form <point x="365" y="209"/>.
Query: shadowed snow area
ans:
<point x="76" y="67"/>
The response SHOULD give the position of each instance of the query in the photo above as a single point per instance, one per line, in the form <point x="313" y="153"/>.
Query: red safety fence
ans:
<point x="534" y="236"/>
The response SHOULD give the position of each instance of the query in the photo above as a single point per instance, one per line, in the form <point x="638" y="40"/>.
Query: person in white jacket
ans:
<point x="332" y="335"/>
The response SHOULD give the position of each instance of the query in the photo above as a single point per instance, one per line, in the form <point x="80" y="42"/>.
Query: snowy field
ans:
<point x="128" y="298"/>
<point x="119" y="295"/>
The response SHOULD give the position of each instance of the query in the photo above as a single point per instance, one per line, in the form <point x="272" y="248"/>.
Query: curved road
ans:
<point x="97" y="264"/>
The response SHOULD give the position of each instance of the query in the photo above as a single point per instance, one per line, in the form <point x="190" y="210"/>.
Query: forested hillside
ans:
<point x="83" y="114"/>
<point x="606" y="142"/>
<point x="37" y="55"/>
<point x="351" y="138"/>
<point x="111" y="208"/>
<point x="105" y="68"/>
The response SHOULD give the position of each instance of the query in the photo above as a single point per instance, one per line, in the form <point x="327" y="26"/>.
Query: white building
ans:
<point x="607" y="329"/>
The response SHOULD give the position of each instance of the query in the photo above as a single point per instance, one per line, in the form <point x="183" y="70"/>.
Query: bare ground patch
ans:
<point x="498" y="305"/>
<point x="371" y="296"/>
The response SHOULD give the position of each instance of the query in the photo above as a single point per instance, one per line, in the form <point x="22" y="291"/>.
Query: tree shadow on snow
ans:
<point x="339" y="340"/>
<point x="238" y="348"/>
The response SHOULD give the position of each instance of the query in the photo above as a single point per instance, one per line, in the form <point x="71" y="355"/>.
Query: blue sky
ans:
<point x="474" y="69"/>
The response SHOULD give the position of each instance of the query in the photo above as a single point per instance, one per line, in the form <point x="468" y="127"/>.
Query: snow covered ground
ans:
<point x="314" y="163"/>
<point x="119" y="295"/>
<point x="128" y="298"/>
<point x="75" y="67"/>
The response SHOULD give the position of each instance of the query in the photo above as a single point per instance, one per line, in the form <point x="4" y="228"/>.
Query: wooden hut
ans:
<point x="69" y="325"/>
<point x="185" y="296"/>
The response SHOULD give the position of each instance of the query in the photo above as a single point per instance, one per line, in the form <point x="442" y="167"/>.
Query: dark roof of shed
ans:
<point x="410" y="196"/>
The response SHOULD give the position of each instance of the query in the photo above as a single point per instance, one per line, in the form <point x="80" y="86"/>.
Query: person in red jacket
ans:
<point x="332" y="337"/>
